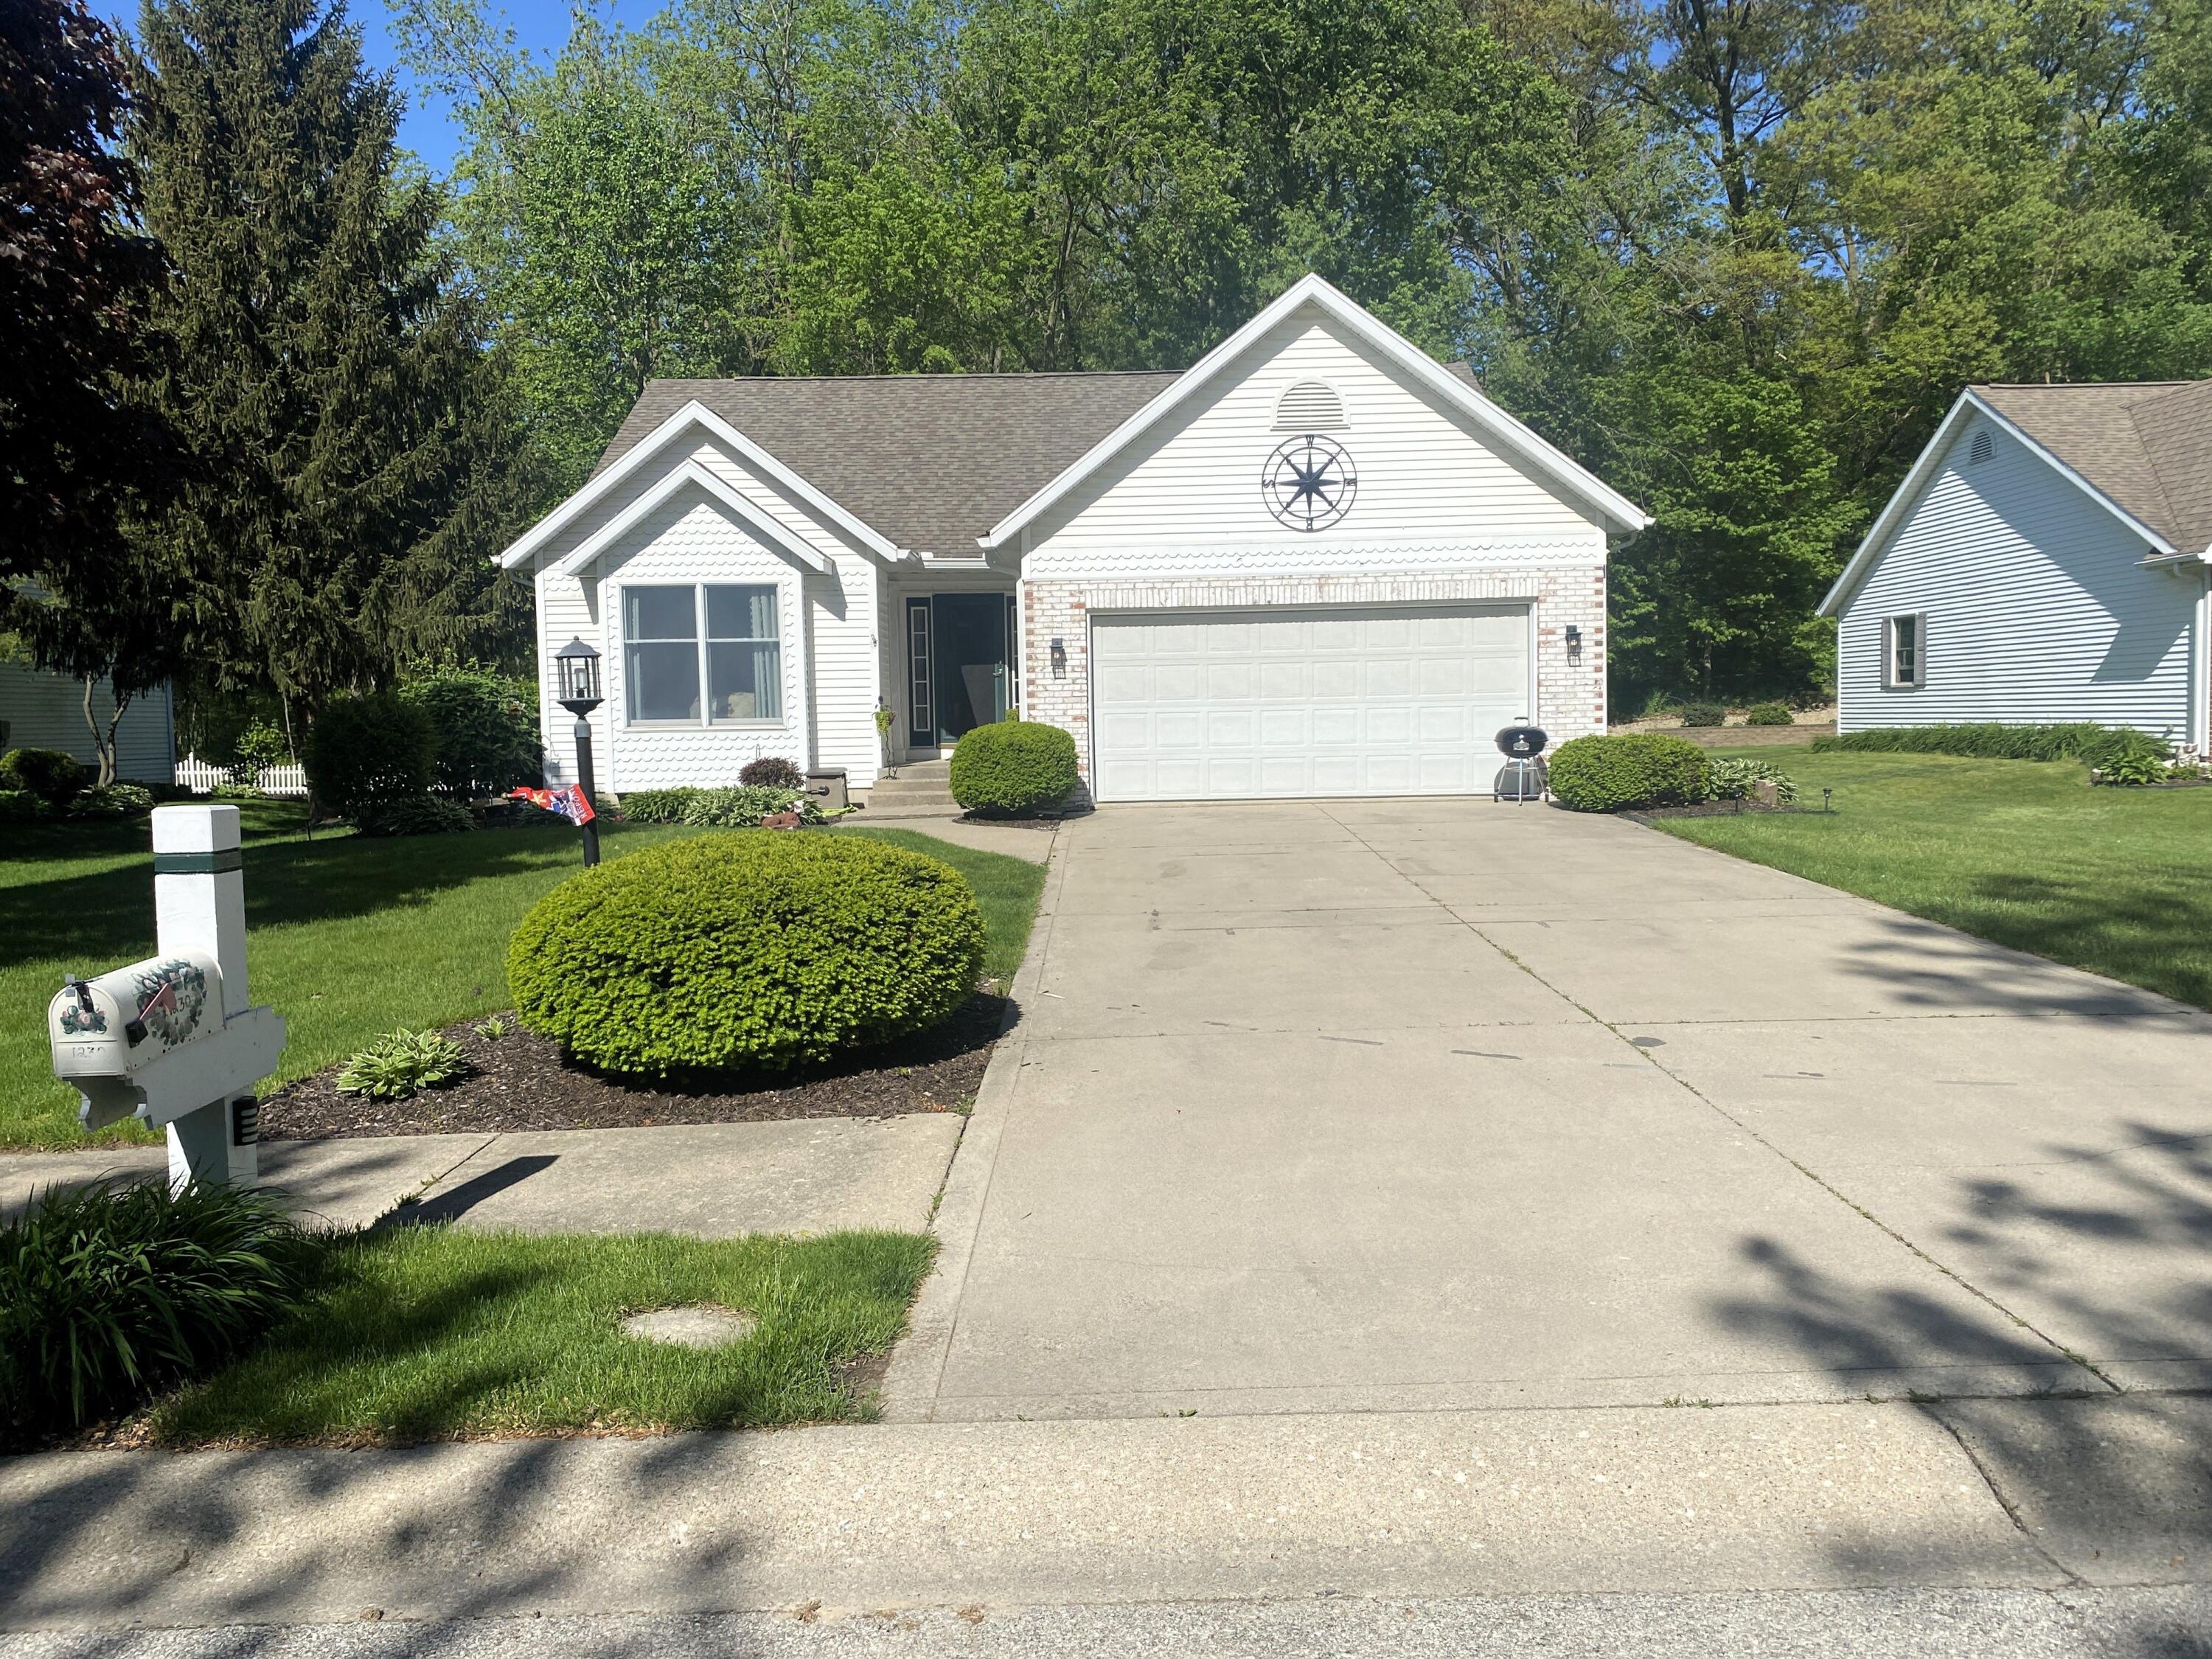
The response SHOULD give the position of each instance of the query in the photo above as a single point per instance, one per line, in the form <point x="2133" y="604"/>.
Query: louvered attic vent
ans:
<point x="1981" y="449"/>
<point x="1310" y="406"/>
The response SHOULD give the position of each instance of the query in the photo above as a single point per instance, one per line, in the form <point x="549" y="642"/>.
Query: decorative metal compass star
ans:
<point x="1309" y="482"/>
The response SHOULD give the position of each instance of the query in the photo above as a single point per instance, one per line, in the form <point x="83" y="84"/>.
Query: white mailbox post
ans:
<point x="172" y="1039"/>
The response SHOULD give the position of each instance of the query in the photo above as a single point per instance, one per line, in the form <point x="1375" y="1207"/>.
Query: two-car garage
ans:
<point x="1309" y="701"/>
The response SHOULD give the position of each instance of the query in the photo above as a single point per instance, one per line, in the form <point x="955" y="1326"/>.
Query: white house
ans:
<point x="2046" y="560"/>
<point x="39" y="710"/>
<point x="1317" y="562"/>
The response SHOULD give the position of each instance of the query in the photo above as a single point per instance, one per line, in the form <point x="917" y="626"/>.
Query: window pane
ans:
<point x="744" y="682"/>
<point x="660" y="613"/>
<point x="663" y="681"/>
<point x="741" y="613"/>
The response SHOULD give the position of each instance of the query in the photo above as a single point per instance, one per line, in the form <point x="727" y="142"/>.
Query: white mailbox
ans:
<point x="172" y="1039"/>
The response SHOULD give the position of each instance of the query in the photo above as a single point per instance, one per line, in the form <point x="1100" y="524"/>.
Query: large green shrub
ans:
<point x="725" y="952"/>
<point x="365" y="751"/>
<point x="1014" y="767"/>
<point x="1703" y="714"/>
<point x="1770" y="713"/>
<point x="484" y="726"/>
<point x="1638" y="768"/>
<point x="54" y="775"/>
<point x="1988" y="741"/>
<point x="110" y="1292"/>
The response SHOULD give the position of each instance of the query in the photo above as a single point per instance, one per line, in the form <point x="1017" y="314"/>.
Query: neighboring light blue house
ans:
<point x="2046" y="560"/>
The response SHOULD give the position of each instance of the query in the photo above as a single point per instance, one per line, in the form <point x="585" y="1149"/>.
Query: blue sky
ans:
<point x="428" y="130"/>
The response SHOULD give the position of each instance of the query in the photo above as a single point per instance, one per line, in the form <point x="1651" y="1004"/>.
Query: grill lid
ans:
<point x="1522" y="741"/>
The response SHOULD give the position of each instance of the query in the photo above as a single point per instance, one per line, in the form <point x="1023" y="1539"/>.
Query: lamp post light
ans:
<point x="578" y="666"/>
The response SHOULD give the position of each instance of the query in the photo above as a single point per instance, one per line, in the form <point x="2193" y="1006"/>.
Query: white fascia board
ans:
<point x="1614" y="509"/>
<point x="1900" y="505"/>
<point x="690" y="476"/>
<point x="697" y="414"/>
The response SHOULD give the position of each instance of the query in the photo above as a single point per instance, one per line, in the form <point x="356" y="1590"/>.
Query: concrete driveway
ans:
<point x="1443" y="1104"/>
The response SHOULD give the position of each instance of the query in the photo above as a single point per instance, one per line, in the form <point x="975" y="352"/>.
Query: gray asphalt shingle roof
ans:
<point x="930" y="461"/>
<point x="2147" y="444"/>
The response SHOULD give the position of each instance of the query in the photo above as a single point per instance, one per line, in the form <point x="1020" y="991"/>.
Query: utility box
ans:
<point x="829" y="788"/>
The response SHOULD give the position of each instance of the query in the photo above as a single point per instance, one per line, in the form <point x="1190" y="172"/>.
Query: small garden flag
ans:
<point x="570" y="801"/>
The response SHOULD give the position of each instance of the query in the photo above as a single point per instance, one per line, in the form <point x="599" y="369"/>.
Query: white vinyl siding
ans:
<point x="828" y="643"/>
<point x="1187" y="500"/>
<point x="47" y="711"/>
<point x="2035" y="607"/>
<point x="1342" y="700"/>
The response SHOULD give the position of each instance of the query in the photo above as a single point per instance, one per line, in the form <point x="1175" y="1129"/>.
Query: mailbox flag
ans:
<point x="570" y="801"/>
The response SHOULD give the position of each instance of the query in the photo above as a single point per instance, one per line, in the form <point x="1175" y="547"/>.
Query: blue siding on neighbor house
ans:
<point x="2038" y="609"/>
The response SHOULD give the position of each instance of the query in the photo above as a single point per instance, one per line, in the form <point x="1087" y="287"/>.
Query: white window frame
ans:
<point x="1916" y="673"/>
<point x="702" y="639"/>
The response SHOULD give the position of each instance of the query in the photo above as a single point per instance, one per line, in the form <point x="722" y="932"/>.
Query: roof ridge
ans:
<point x="843" y="379"/>
<point x="2081" y="385"/>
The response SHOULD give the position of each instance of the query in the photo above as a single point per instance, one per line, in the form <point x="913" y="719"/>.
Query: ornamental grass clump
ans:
<point x="1619" y="774"/>
<point x="112" y="1290"/>
<point x="742" y="953"/>
<point x="1012" y="767"/>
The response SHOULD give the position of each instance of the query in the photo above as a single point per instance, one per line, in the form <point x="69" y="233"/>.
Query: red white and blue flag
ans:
<point x="570" y="801"/>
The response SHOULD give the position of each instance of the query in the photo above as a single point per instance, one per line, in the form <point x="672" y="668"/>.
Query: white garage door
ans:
<point x="1353" y="700"/>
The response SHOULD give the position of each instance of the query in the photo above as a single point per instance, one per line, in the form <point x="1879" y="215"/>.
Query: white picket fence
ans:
<point x="202" y="779"/>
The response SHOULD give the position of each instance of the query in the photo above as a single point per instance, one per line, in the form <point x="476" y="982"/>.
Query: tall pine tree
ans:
<point x="358" y="452"/>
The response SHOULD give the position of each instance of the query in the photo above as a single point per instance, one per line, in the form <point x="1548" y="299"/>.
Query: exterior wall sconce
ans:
<point x="1059" y="659"/>
<point x="1574" y="643"/>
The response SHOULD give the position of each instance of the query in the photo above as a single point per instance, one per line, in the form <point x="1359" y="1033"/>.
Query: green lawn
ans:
<point x="2021" y="852"/>
<point x="348" y="938"/>
<point x="429" y="1333"/>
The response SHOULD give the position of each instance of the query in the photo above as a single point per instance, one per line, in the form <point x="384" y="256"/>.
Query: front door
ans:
<point x="958" y="664"/>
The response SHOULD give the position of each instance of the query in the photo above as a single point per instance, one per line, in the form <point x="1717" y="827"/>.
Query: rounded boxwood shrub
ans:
<point x="54" y="775"/>
<point x="1703" y="714"/>
<point x="732" y="951"/>
<point x="1014" y="767"/>
<point x="1770" y="713"/>
<point x="1641" y="769"/>
<point x="365" y="750"/>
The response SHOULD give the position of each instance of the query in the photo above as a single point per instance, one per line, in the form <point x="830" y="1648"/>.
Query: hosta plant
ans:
<point x="403" y="1064"/>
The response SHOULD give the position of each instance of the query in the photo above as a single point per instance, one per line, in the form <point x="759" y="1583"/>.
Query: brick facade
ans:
<point x="1570" y="697"/>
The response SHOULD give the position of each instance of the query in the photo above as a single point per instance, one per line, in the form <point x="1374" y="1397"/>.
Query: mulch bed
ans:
<point x="524" y="1081"/>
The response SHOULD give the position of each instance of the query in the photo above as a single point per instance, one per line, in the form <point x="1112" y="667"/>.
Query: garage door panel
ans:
<point x="1346" y="701"/>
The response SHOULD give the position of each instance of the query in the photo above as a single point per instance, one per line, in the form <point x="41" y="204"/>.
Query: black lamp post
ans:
<point x="578" y="666"/>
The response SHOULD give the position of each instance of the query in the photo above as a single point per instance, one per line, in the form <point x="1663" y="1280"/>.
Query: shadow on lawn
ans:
<point x="111" y="914"/>
<point x="2150" y="930"/>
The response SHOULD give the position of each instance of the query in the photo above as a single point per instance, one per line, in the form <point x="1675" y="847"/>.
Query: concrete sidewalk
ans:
<point x="1644" y="1501"/>
<point x="707" y="1180"/>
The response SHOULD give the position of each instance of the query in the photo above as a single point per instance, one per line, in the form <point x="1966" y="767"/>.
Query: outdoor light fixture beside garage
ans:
<point x="577" y="667"/>
<point x="1574" y="643"/>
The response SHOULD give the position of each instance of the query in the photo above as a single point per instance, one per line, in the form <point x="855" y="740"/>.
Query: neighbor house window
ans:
<point x="729" y="670"/>
<point x="1904" y="652"/>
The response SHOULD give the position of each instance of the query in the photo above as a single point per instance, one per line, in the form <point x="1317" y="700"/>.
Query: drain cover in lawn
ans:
<point x="691" y="1328"/>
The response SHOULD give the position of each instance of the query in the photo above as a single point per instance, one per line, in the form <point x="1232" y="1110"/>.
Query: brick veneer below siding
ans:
<point x="1570" y="698"/>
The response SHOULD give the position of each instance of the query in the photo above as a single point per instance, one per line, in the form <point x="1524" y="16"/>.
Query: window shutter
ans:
<point x="1889" y="653"/>
<point x="1920" y="649"/>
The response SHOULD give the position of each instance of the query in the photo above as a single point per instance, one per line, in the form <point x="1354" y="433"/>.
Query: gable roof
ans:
<point x="2141" y="449"/>
<point x="1458" y="391"/>
<point x="928" y="461"/>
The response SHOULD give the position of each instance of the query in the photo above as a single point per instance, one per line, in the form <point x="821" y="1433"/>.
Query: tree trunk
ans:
<point x="103" y="738"/>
